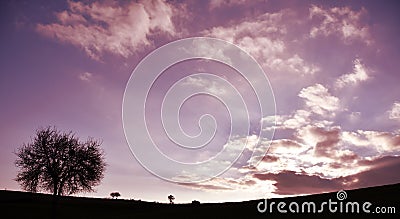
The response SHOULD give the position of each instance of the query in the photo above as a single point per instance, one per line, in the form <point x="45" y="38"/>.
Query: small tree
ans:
<point x="171" y="199"/>
<point x="115" y="194"/>
<point x="59" y="163"/>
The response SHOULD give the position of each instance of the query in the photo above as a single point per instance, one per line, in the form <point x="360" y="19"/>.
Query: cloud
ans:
<point x="343" y="22"/>
<point x="101" y="27"/>
<point x="264" y="38"/>
<point x="209" y="86"/>
<point x="210" y="49"/>
<point x="319" y="100"/>
<point x="382" y="142"/>
<point x="303" y="158"/>
<point x="394" y="112"/>
<point x="222" y="184"/>
<point x="324" y="140"/>
<point x="285" y="146"/>
<point x="354" y="116"/>
<point x="292" y="183"/>
<point x="323" y="156"/>
<point x="358" y="74"/>
<point x="296" y="120"/>
<point x="382" y="171"/>
<point x="206" y="186"/>
<point x="267" y="24"/>
<point x="294" y="64"/>
<point x="86" y="76"/>
<point x="318" y="159"/>
<point x="214" y="4"/>
<point x="328" y="151"/>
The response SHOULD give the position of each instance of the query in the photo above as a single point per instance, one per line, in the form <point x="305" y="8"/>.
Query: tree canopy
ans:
<point x="60" y="163"/>
<point x="171" y="199"/>
<point x="115" y="194"/>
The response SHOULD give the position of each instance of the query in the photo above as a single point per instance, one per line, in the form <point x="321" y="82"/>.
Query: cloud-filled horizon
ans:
<point x="333" y="67"/>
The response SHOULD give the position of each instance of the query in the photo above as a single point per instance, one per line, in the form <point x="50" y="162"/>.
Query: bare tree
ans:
<point x="115" y="194"/>
<point x="59" y="163"/>
<point x="171" y="199"/>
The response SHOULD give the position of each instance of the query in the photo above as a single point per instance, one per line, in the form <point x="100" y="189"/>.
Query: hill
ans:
<point x="15" y="204"/>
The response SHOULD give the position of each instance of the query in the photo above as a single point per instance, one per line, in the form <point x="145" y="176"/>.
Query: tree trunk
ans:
<point x="54" y="203"/>
<point x="55" y="190"/>
<point x="54" y="206"/>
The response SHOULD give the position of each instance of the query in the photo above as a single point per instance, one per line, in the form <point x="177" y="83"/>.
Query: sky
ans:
<point x="328" y="117"/>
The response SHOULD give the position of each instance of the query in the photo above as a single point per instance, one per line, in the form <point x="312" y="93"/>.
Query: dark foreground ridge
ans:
<point x="33" y="205"/>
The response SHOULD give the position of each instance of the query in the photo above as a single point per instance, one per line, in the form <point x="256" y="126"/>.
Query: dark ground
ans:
<point x="34" y="205"/>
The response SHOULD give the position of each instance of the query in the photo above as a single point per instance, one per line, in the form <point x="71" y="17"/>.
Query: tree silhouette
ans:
<point x="59" y="163"/>
<point x="115" y="194"/>
<point x="171" y="199"/>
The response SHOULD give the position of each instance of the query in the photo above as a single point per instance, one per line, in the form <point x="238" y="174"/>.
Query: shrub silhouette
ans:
<point x="195" y="202"/>
<point x="59" y="163"/>
<point x="115" y="194"/>
<point x="171" y="199"/>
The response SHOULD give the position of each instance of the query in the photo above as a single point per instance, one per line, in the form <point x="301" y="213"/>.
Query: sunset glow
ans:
<point x="332" y="66"/>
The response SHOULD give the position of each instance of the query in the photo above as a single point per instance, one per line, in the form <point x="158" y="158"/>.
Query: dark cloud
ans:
<point x="384" y="170"/>
<point x="330" y="138"/>
<point x="270" y="158"/>
<point x="347" y="158"/>
<point x="292" y="183"/>
<point x="277" y="145"/>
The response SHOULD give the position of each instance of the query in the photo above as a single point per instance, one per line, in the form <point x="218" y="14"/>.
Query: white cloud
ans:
<point x="382" y="142"/>
<point x="354" y="116"/>
<point x="262" y="37"/>
<point x="286" y="146"/>
<point x="268" y="24"/>
<point x="209" y="86"/>
<point x="299" y="119"/>
<point x="294" y="64"/>
<point x="108" y="27"/>
<point x="394" y="112"/>
<point x="319" y="100"/>
<point x="358" y="74"/>
<point x="261" y="46"/>
<point x="209" y="49"/>
<point x="323" y="152"/>
<point x="86" y="76"/>
<point x="247" y="143"/>
<point x="314" y="151"/>
<point x="295" y="120"/>
<point x="343" y="22"/>
<point x="225" y="3"/>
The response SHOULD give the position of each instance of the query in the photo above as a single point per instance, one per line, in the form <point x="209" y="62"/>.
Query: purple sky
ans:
<point x="333" y="67"/>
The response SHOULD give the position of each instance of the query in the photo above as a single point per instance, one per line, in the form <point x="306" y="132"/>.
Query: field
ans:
<point x="15" y="204"/>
